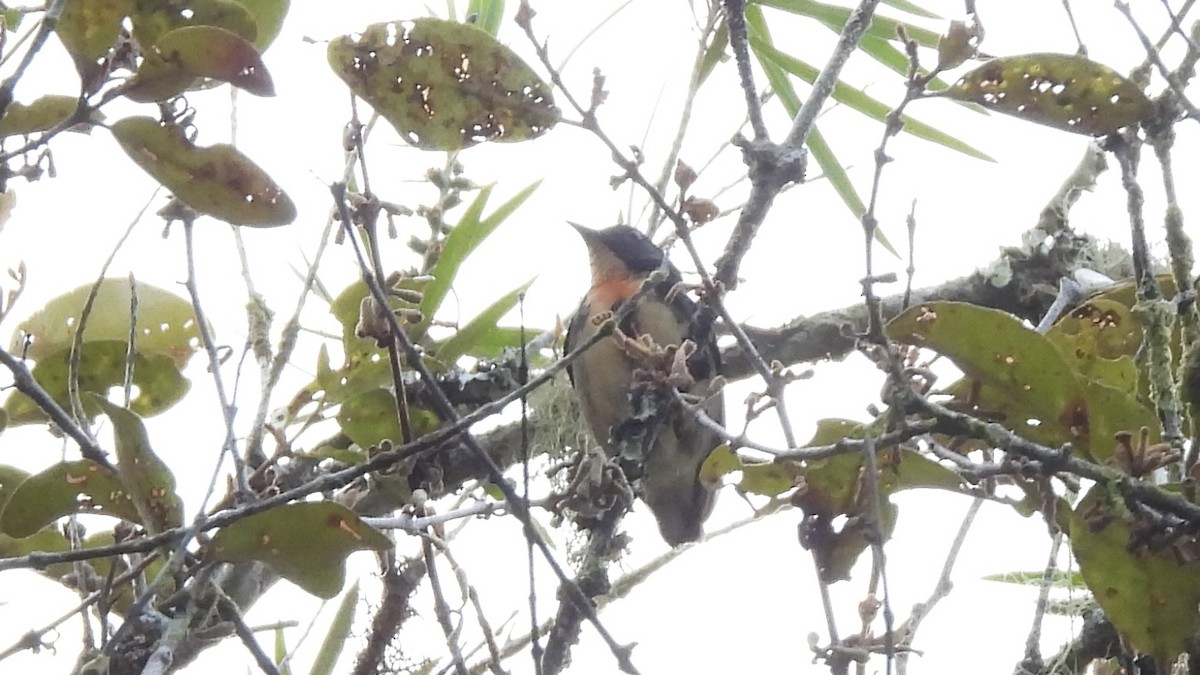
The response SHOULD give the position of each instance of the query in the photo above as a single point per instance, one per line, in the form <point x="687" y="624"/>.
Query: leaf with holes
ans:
<point x="218" y="180"/>
<point x="174" y="63"/>
<point x="71" y="487"/>
<point x="1099" y="338"/>
<point x="89" y="28"/>
<point x="1066" y="92"/>
<point x="1014" y="374"/>
<point x="166" y="323"/>
<point x="1150" y="596"/>
<point x="444" y="85"/>
<point x="159" y="384"/>
<point x="147" y="478"/>
<point x="306" y="543"/>
<point x="154" y="18"/>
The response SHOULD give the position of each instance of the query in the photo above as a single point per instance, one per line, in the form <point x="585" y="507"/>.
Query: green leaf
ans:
<point x="444" y="85"/>
<point x="159" y="381"/>
<point x="1099" y="338"/>
<point x="1149" y="595"/>
<point x="306" y="543"/>
<point x="858" y="100"/>
<point x="166" y="323"/>
<point x="154" y="18"/>
<point x="81" y="486"/>
<point x="268" y="19"/>
<point x="1111" y="410"/>
<point x="339" y="632"/>
<point x="10" y="478"/>
<point x="173" y="64"/>
<point x="905" y="6"/>
<point x="41" y="114"/>
<point x="89" y="28"/>
<point x="835" y="19"/>
<point x="370" y="417"/>
<point x="488" y="15"/>
<point x="1063" y="91"/>
<point x="715" y="53"/>
<point x="480" y="329"/>
<point x="1029" y="382"/>
<point x="472" y="229"/>
<point x="218" y="180"/>
<point x="146" y="477"/>
<point x="281" y="652"/>
<point x="45" y="540"/>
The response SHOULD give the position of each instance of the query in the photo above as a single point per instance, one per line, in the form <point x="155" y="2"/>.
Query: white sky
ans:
<point x="740" y="604"/>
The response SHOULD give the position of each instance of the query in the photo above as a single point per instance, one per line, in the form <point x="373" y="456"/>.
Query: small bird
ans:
<point x="621" y="259"/>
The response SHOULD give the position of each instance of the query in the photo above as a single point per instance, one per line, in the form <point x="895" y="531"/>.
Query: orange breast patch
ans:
<point x="609" y="293"/>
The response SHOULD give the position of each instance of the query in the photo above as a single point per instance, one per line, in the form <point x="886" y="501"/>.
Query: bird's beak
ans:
<point x="588" y="234"/>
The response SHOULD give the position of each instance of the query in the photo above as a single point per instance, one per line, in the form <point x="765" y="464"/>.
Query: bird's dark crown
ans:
<point x="630" y="246"/>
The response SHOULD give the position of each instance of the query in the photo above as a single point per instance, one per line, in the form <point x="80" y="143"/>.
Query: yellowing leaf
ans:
<point x="173" y="64"/>
<point x="306" y="543"/>
<point x="218" y="180"/>
<point x="166" y="323"/>
<point x="444" y="85"/>
<point x="1150" y="596"/>
<point x="1062" y="91"/>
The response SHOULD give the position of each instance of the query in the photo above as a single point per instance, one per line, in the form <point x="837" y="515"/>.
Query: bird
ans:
<point x="621" y="258"/>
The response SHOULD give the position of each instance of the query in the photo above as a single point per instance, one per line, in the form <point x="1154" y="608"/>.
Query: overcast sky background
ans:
<point x="743" y="603"/>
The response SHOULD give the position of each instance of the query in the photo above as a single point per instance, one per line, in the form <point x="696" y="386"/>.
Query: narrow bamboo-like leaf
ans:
<point x="174" y="63"/>
<point x="487" y="14"/>
<point x="860" y="101"/>
<point x="835" y="18"/>
<point x="217" y="180"/>
<point x="281" y="653"/>
<point x="147" y="478"/>
<point x="715" y="53"/>
<point x="1063" y="91"/>
<point x="818" y="149"/>
<point x="472" y="229"/>
<point x="71" y="487"/>
<point x="478" y="329"/>
<point x="911" y="8"/>
<point x="339" y="631"/>
<point x="306" y="543"/>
